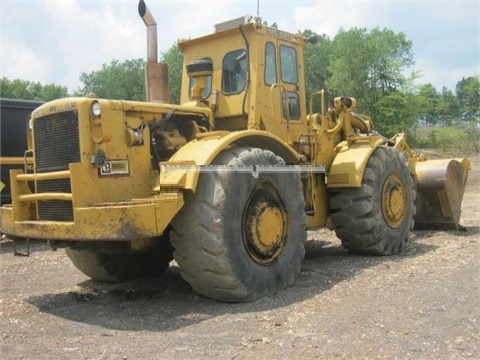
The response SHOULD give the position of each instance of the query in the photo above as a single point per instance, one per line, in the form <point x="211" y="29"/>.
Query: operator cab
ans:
<point x="256" y="79"/>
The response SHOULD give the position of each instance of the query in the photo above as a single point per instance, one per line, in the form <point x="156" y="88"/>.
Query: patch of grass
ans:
<point x="451" y="141"/>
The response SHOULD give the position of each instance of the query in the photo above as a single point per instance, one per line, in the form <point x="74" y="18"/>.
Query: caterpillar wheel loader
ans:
<point x="228" y="182"/>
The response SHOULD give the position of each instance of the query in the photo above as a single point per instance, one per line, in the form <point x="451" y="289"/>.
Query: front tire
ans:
<point x="377" y="217"/>
<point x="241" y="237"/>
<point x="111" y="267"/>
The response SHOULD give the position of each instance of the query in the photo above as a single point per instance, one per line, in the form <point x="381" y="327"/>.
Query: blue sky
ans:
<point x="54" y="41"/>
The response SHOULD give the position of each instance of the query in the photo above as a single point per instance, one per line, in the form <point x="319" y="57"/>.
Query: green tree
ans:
<point x="174" y="60"/>
<point x="117" y="80"/>
<point x="449" y="113"/>
<point x="317" y="60"/>
<point x="390" y="55"/>
<point x="349" y="64"/>
<point x="468" y="95"/>
<point x="29" y="90"/>
<point x="397" y="112"/>
<point x="370" y="65"/>
<point x="430" y="104"/>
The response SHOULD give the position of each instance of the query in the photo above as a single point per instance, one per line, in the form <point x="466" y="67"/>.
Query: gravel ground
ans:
<point x="422" y="304"/>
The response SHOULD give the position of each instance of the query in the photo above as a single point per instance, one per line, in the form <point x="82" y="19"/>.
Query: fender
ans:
<point x="205" y="148"/>
<point x="349" y="164"/>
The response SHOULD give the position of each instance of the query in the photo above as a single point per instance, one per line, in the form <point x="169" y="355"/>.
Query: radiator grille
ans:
<point x="56" y="141"/>
<point x="56" y="146"/>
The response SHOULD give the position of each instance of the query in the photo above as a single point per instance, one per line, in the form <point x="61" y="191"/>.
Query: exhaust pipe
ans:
<point x="156" y="74"/>
<point x="151" y="31"/>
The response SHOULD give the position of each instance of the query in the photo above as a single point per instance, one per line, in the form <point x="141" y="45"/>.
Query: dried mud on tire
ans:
<point x="420" y="304"/>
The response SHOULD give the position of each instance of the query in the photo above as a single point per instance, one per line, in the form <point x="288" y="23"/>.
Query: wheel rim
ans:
<point x="394" y="201"/>
<point x="265" y="226"/>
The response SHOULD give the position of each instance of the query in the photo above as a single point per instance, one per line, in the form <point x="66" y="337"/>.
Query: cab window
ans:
<point x="270" y="64"/>
<point x="288" y="64"/>
<point x="207" y="86"/>
<point x="234" y="72"/>
<point x="206" y="92"/>
<point x="291" y="105"/>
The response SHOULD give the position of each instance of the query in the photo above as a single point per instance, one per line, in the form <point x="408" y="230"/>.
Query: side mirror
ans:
<point x="312" y="39"/>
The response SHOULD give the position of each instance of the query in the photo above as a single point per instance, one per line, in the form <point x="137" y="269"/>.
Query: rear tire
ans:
<point x="108" y="267"/>
<point x="377" y="217"/>
<point x="241" y="237"/>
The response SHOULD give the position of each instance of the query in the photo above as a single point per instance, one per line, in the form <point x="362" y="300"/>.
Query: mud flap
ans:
<point x="440" y="188"/>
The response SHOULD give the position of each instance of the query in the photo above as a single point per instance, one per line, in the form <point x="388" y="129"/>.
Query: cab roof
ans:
<point x="222" y="31"/>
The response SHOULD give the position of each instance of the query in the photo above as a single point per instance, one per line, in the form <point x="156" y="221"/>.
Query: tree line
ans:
<point x="371" y="65"/>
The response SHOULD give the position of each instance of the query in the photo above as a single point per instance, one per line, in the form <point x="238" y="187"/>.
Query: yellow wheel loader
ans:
<point x="228" y="182"/>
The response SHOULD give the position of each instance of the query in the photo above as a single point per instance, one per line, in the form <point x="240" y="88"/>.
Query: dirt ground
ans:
<point x="422" y="304"/>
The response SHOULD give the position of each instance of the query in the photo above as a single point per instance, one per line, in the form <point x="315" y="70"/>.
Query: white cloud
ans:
<point x="327" y="17"/>
<point x="25" y="64"/>
<point x="439" y="76"/>
<point x="55" y="41"/>
<point x="80" y="36"/>
<point x="188" y="19"/>
<point x="445" y="35"/>
<point x="88" y="37"/>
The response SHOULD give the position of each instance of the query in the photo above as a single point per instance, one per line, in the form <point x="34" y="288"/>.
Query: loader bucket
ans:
<point x="440" y="188"/>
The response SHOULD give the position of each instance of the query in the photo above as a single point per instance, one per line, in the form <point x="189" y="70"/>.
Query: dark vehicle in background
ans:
<point x="13" y="128"/>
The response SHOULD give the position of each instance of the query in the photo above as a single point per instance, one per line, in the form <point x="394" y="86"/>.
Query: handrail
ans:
<point x="46" y="196"/>
<point x="56" y="175"/>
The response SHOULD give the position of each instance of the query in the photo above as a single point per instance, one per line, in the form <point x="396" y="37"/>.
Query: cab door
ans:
<point x="290" y="84"/>
<point x="282" y="81"/>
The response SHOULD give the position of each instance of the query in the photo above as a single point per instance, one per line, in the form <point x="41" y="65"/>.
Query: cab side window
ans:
<point x="270" y="64"/>
<point x="291" y="105"/>
<point x="234" y="72"/>
<point x="288" y="64"/>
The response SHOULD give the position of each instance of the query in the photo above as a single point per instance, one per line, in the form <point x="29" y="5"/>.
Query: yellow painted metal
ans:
<point x="121" y="208"/>
<point x="394" y="201"/>
<point x="342" y="142"/>
<point x="119" y="221"/>
<point x="15" y="160"/>
<point x="141" y="204"/>
<point x="44" y="176"/>
<point x="267" y="229"/>
<point x="349" y="163"/>
<point x="205" y="149"/>
<point x="20" y="209"/>
<point x="269" y="226"/>
<point x="400" y="143"/>
<point x="315" y="193"/>
<point x="440" y="187"/>
<point x="252" y="107"/>
<point x="46" y="196"/>
<point x="104" y="207"/>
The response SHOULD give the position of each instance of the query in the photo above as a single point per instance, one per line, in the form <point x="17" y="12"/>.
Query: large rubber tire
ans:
<point x="108" y="267"/>
<point x="377" y="217"/>
<point x="218" y="234"/>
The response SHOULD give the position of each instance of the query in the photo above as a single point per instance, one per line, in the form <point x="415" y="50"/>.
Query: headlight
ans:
<point x="96" y="109"/>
